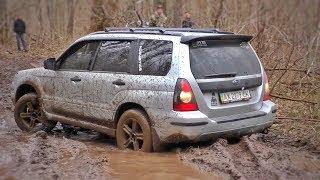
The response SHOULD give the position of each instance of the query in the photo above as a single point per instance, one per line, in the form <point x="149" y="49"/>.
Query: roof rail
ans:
<point x="164" y="30"/>
<point x="135" y="29"/>
<point x="208" y="30"/>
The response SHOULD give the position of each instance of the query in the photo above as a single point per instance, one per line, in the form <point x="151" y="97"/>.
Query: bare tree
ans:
<point x="3" y="21"/>
<point x="50" y="15"/>
<point x="40" y="18"/>
<point x="218" y="14"/>
<point x="71" y="8"/>
<point x="100" y="18"/>
<point x="177" y="13"/>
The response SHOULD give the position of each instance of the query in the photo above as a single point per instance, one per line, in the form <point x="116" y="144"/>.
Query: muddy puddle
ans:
<point x="89" y="155"/>
<point x="139" y="165"/>
<point x="127" y="165"/>
<point x="84" y="155"/>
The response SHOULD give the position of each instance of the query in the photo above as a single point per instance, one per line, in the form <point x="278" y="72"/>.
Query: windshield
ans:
<point x="212" y="59"/>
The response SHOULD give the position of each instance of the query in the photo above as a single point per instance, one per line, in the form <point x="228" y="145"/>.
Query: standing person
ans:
<point x="20" y="30"/>
<point x="158" y="19"/>
<point x="187" y="22"/>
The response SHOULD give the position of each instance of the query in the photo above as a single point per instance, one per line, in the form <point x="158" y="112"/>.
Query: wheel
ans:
<point x="29" y="116"/>
<point x="133" y="131"/>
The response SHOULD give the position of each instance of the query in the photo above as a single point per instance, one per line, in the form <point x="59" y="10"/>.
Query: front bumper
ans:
<point x="171" y="127"/>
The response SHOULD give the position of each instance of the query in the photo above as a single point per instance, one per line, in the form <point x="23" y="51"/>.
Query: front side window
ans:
<point x="113" y="56"/>
<point x="155" y="57"/>
<point x="79" y="56"/>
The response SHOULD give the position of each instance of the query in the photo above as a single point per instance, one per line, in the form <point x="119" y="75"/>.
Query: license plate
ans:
<point x="235" y="96"/>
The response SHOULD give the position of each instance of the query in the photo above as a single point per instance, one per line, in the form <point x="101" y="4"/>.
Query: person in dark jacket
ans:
<point x="187" y="22"/>
<point x="20" y="29"/>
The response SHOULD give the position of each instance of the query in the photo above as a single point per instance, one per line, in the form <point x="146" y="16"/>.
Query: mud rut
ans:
<point x="253" y="158"/>
<point x="91" y="156"/>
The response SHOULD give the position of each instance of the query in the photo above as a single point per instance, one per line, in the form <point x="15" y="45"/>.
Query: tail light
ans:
<point x="184" y="99"/>
<point x="266" y="95"/>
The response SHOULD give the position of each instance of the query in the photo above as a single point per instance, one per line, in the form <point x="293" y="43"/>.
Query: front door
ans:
<point x="70" y="79"/>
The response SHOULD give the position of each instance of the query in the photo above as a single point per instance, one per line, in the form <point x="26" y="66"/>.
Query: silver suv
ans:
<point x="149" y="86"/>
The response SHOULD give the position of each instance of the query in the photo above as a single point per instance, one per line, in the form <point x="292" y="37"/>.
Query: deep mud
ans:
<point x="289" y="151"/>
<point x="254" y="157"/>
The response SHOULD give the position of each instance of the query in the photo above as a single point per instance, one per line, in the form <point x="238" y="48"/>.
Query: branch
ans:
<point x="301" y="119"/>
<point x="288" y="69"/>
<point x="219" y="13"/>
<point x="291" y="99"/>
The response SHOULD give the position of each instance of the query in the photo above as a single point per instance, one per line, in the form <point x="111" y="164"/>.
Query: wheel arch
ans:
<point x="25" y="88"/>
<point x="126" y="106"/>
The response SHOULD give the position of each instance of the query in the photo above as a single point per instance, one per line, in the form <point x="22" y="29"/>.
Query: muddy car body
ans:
<point x="185" y="85"/>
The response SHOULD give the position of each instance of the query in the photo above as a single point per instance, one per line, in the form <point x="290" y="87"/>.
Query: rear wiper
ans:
<point x="222" y="75"/>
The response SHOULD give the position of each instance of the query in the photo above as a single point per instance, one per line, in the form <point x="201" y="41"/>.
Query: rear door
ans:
<point x="110" y="78"/>
<point x="228" y="74"/>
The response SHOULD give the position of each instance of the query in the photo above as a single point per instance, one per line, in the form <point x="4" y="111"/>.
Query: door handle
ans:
<point x="75" y="79"/>
<point x="119" y="82"/>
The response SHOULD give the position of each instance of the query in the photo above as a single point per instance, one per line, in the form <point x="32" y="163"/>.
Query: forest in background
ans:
<point x="286" y="35"/>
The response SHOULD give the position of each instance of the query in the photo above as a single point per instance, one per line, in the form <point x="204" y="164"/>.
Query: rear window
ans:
<point x="210" y="59"/>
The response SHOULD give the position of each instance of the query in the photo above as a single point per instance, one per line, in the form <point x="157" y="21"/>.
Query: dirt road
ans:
<point x="89" y="155"/>
<point x="86" y="155"/>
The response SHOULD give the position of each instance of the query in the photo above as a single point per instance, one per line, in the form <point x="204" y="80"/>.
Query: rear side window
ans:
<point x="112" y="56"/>
<point x="211" y="59"/>
<point x="155" y="57"/>
<point x="79" y="56"/>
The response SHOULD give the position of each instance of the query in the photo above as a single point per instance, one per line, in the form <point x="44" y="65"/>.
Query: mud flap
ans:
<point x="156" y="143"/>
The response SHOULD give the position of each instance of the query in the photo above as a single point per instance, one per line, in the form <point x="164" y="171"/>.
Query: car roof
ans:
<point x="163" y="31"/>
<point x="184" y="35"/>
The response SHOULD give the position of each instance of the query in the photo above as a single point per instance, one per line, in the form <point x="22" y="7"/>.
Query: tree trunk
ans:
<point x="177" y="13"/>
<point x="50" y="18"/>
<point x="40" y="19"/>
<point x="219" y="13"/>
<point x="71" y="8"/>
<point x="3" y="21"/>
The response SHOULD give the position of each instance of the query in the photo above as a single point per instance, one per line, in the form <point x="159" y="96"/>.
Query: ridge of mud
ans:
<point x="252" y="158"/>
<point x="44" y="156"/>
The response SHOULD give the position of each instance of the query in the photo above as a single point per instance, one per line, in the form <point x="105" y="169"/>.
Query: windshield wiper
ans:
<point x="222" y="75"/>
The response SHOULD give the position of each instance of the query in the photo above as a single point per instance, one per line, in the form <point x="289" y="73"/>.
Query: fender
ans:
<point x="35" y="84"/>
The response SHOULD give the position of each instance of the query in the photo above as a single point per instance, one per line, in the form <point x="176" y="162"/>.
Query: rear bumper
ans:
<point x="195" y="126"/>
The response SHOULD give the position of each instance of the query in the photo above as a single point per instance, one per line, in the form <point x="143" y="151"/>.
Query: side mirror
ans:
<point x="50" y="64"/>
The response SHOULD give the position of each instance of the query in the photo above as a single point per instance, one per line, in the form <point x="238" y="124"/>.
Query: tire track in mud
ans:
<point x="247" y="162"/>
<point x="252" y="158"/>
<point x="276" y="161"/>
<point x="42" y="156"/>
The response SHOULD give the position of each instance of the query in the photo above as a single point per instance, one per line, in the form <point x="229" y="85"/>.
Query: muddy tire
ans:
<point x="133" y="131"/>
<point x="29" y="116"/>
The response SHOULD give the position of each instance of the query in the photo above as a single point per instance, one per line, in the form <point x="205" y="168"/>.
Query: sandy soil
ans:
<point x="290" y="151"/>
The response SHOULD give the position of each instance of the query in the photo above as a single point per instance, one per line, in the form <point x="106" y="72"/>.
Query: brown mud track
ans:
<point x="276" y="155"/>
<point x="256" y="157"/>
